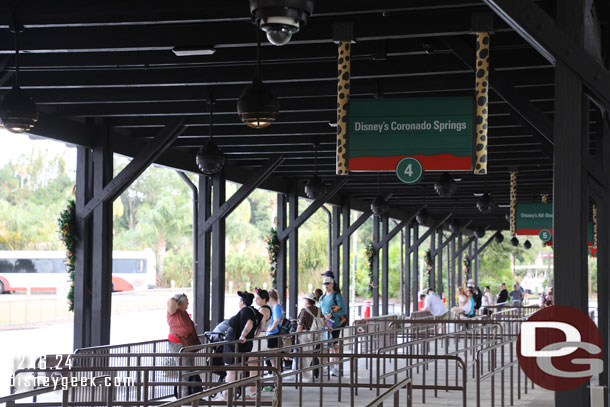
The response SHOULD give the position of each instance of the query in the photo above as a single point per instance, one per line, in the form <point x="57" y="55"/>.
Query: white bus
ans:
<point x="46" y="270"/>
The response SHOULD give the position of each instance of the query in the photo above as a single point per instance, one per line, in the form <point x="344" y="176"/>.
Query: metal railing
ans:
<point x="394" y="391"/>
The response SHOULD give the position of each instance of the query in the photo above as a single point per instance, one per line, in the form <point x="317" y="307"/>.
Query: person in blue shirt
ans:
<point x="273" y="329"/>
<point x="335" y="315"/>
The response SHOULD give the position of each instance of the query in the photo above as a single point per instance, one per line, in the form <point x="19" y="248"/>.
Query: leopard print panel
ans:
<point x="343" y="89"/>
<point x="513" y="203"/>
<point x="481" y="90"/>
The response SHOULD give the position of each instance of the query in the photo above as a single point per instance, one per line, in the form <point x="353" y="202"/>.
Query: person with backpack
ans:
<point x="335" y="315"/>
<point x="244" y="325"/>
<point x="261" y="298"/>
<point x="310" y="319"/>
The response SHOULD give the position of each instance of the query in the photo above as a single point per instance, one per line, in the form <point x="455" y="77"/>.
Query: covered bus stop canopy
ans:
<point x="139" y="78"/>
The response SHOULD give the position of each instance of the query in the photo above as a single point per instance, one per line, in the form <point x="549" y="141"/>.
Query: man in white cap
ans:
<point x="310" y="319"/>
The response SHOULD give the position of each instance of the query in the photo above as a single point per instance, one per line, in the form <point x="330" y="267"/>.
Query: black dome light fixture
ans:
<point x="479" y="232"/>
<point x="280" y="19"/>
<point x="527" y="244"/>
<point x="315" y="187"/>
<point x="257" y="106"/>
<point x="423" y="217"/>
<point x="514" y="241"/>
<point x="18" y="112"/>
<point x="210" y="158"/>
<point x="486" y="204"/>
<point x="445" y="185"/>
<point x="499" y="237"/>
<point x="379" y="206"/>
<point x="454" y="226"/>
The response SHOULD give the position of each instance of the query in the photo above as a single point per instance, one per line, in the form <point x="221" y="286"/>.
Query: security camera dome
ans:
<point x="280" y="19"/>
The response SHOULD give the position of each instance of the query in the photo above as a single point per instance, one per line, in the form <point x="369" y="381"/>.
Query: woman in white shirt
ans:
<point x="487" y="302"/>
<point x="463" y="303"/>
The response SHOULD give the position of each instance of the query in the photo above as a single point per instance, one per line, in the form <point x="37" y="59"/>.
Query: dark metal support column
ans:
<point x="82" y="274"/>
<point x="451" y="278"/>
<point x="432" y="278"/>
<point x="101" y="243"/>
<point x="407" y="287"/>
<point x="282" y="266"/>
<point x="201" y="285"/>
<point x="376" y="267"/>
<point x="439" y="265"/>
<point x="415" y="269"/>
<point x="330" y="236"/>
<point x="293" y="256"/>
<point x="385" y="266"/>
<point x="459" y="260"/>
<point x="218" y="250"/>
<point x="476" y="261"/>
<point x="345" y="262"/>
<point x="336" y="234"/>
<point x="570" y="192"/>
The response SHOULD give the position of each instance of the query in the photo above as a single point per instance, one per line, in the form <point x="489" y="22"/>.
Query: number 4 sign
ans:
<point x="409" y="171"/>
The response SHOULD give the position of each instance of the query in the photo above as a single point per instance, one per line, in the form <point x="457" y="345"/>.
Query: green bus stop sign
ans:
<point x="409" y="170"/>
<point x="545" y="235"/>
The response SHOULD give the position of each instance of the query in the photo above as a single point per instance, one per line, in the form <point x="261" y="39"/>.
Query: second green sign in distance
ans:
<point x="409" y="171"/>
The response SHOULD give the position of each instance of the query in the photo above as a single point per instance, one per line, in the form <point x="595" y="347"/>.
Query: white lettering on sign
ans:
<point x="437" y="125"/>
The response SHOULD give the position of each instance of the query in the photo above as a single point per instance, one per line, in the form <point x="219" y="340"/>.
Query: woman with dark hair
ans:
<point x="244" y="326"/>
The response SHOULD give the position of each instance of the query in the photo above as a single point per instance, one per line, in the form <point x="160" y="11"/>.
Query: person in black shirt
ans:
<point x="243" y="327"/>
<point x="503" y="295"/>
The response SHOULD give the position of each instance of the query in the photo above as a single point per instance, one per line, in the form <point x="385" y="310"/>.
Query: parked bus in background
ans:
<point x="45" y="271"/>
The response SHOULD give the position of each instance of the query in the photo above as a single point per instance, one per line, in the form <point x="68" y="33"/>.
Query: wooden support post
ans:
<point x="345" y="262"/>
<point x="218" y="250"/>
<point x="282" y="266"/>
<point x="201" y="284"/>
<point x="415" y="269"/>
<point x="101" y="243"/>
<point x="82" y="273"/>
<point x="293" y="255"/>
<point x="376" y="267"/>
<point x="385" y="266"/>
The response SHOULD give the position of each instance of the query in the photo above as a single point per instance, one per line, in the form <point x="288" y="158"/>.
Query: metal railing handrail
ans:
<point x="211" y="391"/>
<point x="393" y="390"/>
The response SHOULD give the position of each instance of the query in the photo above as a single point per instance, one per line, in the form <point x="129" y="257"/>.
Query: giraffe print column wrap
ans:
<point x="343" y="89"/>
<point x="482" y="90"/>
<point x="513" y="203"/>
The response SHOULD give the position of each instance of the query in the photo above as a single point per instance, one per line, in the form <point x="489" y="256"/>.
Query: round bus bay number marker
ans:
<point x="545" y="235"/>
<point x="409" y="171"/>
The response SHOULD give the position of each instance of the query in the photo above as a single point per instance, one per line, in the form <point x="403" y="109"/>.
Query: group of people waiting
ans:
<point x="324" y="310"/>
<point x="471" y="299"/>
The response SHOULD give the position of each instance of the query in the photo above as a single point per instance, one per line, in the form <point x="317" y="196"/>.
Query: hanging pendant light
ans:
<point x="514" y="241"/>
<point x="499" y="237"/>
<point x="527" y="244"/>
<point x="379" y="206"/>
<point x="445" y="185"/>
<point x="486" y="204"/>
<point x="315" y="187"/>
<point x="423" y="217"/>
<point x="454" y="226"/>
<point x="257" y="106"/>
<point x="210" y="158"/>
<point x="18" y="112"/>
<point x="479" y="232"/>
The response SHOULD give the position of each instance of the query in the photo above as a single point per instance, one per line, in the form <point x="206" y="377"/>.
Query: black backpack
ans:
<point x="478" y="297"/>
<point x="258" y="318"/>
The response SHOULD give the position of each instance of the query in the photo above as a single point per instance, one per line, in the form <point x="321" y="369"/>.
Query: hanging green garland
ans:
<point x="466" y="261"/>
<point x="370" y="255"/>
<point x="273" y="249"/>
<point x="429" y="264"/>
<point x="67" y="233"/>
